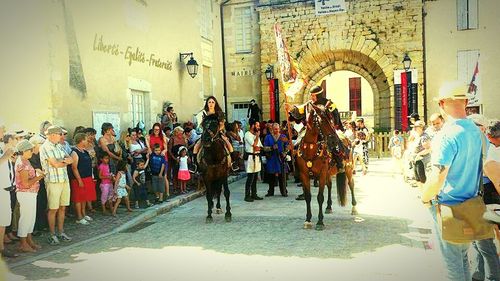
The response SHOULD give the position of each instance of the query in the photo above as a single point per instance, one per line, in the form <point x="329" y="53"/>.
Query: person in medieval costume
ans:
<point x="335" y="146"/>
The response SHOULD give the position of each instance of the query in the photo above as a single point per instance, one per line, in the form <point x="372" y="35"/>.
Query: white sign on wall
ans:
<point x="99" y="117"/>
<point x="328" y="7"/>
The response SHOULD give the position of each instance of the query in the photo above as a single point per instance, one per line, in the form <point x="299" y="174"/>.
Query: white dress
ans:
<point x="253" y="164"/>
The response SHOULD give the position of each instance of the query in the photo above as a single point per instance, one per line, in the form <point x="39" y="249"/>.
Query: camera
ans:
<point x="10" y="188"/>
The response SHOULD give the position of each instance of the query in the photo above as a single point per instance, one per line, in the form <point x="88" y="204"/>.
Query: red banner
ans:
<point x="404" y="102"/>
<point x="272" y="109"/>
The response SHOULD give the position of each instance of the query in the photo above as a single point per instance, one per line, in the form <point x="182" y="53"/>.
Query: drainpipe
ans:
<point x="424" y="13"/>
<point x="224" y="80"/>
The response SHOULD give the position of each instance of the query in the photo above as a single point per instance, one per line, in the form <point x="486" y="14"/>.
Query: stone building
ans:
<point x="370" y="39"/>
<point x="84" y="62"/>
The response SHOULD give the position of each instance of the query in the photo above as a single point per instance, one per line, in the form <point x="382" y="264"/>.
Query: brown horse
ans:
<point x="314" y="160"/>
<point x="214" y="167"/>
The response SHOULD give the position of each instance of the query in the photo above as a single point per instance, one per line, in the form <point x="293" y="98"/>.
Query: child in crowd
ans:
<point x="358" y="150"/>
<point x="183" y="175"/>
<point x="139" y="178"/>
<point x="158" y="168"/>
<point x="106" y="185"/>
<point x="121" y="186"/>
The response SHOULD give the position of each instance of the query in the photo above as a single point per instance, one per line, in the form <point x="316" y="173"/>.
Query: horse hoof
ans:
<point x="320" y="227"/>
<point x="218" y="211"/>
<point x="328" y="211"/>
<point x="308" y="225"/>
<point x="209" y="220"/>
<point x="228" y="219"/>
<point x="354" y="212"/>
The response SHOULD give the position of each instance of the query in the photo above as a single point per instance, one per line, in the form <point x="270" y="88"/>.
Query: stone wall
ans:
<point x="370" y="39"/>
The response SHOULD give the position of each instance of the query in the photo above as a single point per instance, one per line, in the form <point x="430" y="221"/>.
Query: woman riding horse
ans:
<point x="213" y="149"/>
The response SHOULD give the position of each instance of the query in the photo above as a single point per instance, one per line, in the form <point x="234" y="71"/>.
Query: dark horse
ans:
<point x="213" y="166"/>
<point x="314" y="160"/>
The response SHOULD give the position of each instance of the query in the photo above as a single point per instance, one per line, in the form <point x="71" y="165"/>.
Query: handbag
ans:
<point x="464" y="223"/>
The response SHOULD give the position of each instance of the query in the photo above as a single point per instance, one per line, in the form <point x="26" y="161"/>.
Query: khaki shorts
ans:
<point x="58" y="194"/>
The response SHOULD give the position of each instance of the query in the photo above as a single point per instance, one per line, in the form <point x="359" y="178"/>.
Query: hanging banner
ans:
<point x="276" y="98"/>
<point x="272" y="109"/>
<point x="328" y="7"/>
<point x="404" y="102"/>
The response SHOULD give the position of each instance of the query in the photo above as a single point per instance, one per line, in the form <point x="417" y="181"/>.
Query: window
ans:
<point x="467" y="14"/>
<point x="355" y="95"/>
<point x="243" y="29"/>
<point x="466" y="62"/>
<point x="206" y="19"/>
<point x="207" y="81"/>
<point x="138" y="103"/>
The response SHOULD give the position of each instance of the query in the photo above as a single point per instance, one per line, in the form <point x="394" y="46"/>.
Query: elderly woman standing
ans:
<point x="108" y="145"/>
<point x="27" y="182"/>
<point x="41" y="199"/>
<point x="6" y="152"/>
<point x="80" y="175"/>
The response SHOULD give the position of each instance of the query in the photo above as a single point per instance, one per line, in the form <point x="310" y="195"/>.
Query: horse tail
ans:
<point x="341" y="189"/>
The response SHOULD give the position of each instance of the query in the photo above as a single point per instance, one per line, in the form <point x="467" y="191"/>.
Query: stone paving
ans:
<point x="389" y="240"/>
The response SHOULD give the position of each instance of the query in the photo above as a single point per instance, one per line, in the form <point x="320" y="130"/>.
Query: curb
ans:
<point x="147" y="215"/>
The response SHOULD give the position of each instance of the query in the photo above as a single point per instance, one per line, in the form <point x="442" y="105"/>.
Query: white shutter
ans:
<point x="472" y="14"/>
<point x="461" y="14"/>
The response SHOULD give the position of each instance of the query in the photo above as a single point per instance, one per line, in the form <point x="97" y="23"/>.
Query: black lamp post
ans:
<point x="191" y="65"/>
<point x="411" y="96"/>
<point x="269" y="72"/>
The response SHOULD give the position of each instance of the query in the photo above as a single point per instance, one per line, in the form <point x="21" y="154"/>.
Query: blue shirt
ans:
<point x="458" y="147"/>
<point x="156" y="162"/>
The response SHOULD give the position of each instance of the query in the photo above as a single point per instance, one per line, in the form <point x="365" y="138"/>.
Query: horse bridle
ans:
<point x="321" y="145"/>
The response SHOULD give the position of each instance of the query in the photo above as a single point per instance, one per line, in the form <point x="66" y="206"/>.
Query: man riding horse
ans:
<point x="317" y="101"/>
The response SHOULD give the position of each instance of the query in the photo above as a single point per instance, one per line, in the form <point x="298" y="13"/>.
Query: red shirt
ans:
<point x="156" y="140"/>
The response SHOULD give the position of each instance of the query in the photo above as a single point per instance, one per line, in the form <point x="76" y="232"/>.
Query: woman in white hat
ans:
<point x="27" y="183"/>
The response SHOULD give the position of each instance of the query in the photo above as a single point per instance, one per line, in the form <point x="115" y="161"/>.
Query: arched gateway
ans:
<point x="370" y="39"/>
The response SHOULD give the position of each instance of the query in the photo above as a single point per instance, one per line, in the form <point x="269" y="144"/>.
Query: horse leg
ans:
<point x="354" y="211"/>
<point x="306" y="187"/>
<point x="329" y="200"/>
<point x="320" y="225"/>
<point x="218" y="191"/>
<point x="227" y="193"/>
<point x="210" y="202"/>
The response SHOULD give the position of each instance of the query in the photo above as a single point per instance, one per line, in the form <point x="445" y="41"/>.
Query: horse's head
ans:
<point x="210" y="128"/>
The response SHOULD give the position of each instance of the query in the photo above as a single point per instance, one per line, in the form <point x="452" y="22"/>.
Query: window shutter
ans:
<point x="461" y="14"/>
<point x="472" y="14"/>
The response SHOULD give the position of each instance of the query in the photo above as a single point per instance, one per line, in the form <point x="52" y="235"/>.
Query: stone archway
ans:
<point x="370" y="38"/>
<point x="355" y="61"/>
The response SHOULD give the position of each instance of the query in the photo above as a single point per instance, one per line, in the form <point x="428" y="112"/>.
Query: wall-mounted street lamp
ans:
<point x="191" y="65"/>
<point x="406" y="62"/>
<point x="269" y="72"/>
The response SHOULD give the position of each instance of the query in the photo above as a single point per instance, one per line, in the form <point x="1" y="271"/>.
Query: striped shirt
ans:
<point x="49" y="150"/>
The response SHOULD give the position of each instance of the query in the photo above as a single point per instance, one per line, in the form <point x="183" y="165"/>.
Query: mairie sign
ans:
<point x="328" y="7"/>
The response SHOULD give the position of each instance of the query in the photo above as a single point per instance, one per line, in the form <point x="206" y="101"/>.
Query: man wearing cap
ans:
<point x="54" y="161"/>
<point x="456" y="171"/>
<point x="335" y="146"/>
<point x="421" y="151"/>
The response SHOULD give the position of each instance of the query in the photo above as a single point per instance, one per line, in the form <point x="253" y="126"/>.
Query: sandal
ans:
<point x="8" y="254"/>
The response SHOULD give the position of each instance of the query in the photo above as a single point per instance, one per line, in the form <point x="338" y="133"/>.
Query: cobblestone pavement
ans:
<point x="389" y="240"/>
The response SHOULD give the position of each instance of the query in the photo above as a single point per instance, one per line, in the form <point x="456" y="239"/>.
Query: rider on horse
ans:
<point x="212" y="108"/>
<point x="335" y="146"/>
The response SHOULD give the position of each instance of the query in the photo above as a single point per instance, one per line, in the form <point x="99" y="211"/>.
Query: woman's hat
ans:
<point x="24" y="145"/>
<point x="181" y="148"/>
<point x="419" y="123"/>
<point x="478" y="119"/>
